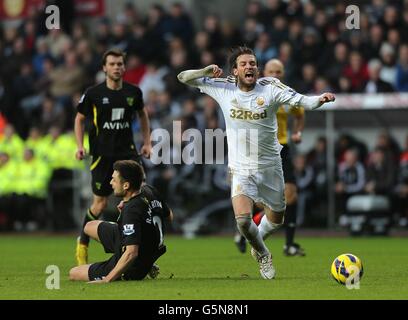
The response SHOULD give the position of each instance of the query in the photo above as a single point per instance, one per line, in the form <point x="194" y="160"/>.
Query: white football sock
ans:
<point x="250" y="231"/>
<point x="266" y="227"/>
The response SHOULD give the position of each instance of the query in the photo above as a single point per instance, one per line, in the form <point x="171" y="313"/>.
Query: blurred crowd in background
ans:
<point x="44" y="72"/>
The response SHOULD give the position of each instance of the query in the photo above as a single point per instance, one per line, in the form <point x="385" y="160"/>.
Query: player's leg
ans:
<point x="242" y="206"/>
<point x="272" y="195"/>
<point x="91" y="229"/>
<point x="109" y="236"/>
<point x="239" y="239"/>
<point x="101" y="170"/>
<point x="270" y="222"/>
<point x="291" y="248"/>
<point x="79" y="273"/>
<point x="98" y="205"/>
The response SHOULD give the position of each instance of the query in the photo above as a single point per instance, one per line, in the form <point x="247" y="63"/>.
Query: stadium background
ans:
<point x="44" y="72"/>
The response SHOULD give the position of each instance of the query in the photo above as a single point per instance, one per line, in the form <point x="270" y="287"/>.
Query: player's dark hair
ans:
<point x="130" y="171"/>
<point x="235" y="53"/>
<point x="113" y="52"/>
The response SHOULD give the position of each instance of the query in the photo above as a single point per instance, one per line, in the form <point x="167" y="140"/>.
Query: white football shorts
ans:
<point x="266" y="186"/>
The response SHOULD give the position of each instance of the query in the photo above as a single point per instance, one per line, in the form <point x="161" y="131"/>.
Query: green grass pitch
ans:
<point x="210" y="268"/>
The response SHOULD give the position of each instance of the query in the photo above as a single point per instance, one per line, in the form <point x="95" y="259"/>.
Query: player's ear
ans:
<point x="104" y="68"/>
<point x="235" y="72"/>
<point x="126" y="186"/>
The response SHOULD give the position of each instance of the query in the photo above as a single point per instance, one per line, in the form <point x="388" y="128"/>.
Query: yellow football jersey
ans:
<point x="282" y="118"/>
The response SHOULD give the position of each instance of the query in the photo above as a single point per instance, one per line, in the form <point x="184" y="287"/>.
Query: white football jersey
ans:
<point x="250" y="118"/>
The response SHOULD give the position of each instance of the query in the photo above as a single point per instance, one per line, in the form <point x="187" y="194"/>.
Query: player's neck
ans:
<point x="245" y="88"/>
<point x="114" y="85"/>
<point x="130" y="195"/>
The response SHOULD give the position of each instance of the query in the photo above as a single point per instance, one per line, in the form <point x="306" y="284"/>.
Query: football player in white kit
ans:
<point x="249" y="107"/>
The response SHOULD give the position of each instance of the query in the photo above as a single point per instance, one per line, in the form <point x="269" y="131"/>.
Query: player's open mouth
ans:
<point x="249" y="75"/>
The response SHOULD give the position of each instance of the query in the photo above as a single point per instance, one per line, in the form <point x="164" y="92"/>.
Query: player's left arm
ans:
<point x="315" y="102"/>
<point x="130" y="254"/>
<point x="145" y="128"/>
<point x="283" y="94"/>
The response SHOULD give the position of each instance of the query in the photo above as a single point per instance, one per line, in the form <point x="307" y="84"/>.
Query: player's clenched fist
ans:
<point x="213" y="71"/>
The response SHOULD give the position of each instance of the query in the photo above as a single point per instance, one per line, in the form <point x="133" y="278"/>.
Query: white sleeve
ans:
<point x="282" y="94"/>
<point x="214" y="87"/>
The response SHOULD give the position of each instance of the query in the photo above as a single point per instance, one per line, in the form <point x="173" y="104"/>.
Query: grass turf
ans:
<point x="210" y="268"/>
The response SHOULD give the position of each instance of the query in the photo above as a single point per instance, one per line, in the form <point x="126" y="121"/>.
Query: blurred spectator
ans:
<point x="375" y="41"/>
<point x="129" y="15"/>
<point x="375" y="84"/>
<point x="51" y="114"/>
<point x="180" y="23"/>
<point x="264" y="50"/>
<point x="278" y="30"/>
<point x="402" y="187"/>
<point x="390" y="147"/>
<point x="57" y="42"/>
<point x="120" y="38"/>
<point x="402" y="69"/>
<point x="346" y="142"/>
<point x="356" y="71"/>
<point x="153" y="79"/>
<point x="334" y="67"/>
<point x="67" y="78"/>
<point x="31" y="190"/>
<point x="321" y="86"/>
<point x="11" y="143"/>
<point x="306" y="85"/>
<point x="350" y="180"/>
<point x="380" y="174"/>
<point x="41" y="54"/>
<point x="135" y="69"/>
<point x="304" y="181"/>
<point x="388" y="71"/>
<point x="213" y="28"/>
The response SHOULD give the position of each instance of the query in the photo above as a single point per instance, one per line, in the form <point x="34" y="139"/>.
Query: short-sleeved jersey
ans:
<point x="250" y="118"/>
<point x="141" y="221"/>
<point x="109" y="114"/>
<point x="282" y="116"/>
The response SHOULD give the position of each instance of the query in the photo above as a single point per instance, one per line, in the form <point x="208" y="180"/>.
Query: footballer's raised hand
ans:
<point x="213" y="71"/>
<point x="327" y="97"/>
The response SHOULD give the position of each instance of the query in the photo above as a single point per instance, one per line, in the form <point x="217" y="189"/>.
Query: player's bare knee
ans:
<point x="243" y="221"/>
<point x="73" y="274"/>
<point x="290" y="194"/>
<point x="291" y="197"/>
<point x="90" y="227"/>
<point x="277" y="218"/>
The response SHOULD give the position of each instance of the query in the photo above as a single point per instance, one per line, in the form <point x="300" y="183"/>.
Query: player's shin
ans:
<point x="290" y="223"/>
<point x="84" y="238"/>
<point x="250" y="231"/>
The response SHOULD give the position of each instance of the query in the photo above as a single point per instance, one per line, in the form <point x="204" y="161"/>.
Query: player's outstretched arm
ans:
<point x="317" y="101"/>
<point x="188" y="76"/>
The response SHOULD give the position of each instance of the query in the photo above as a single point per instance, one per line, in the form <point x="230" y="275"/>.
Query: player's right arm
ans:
<point x="84" y="108"/>
<point x="79" y="129"/>
<point x="189" y="77"/>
